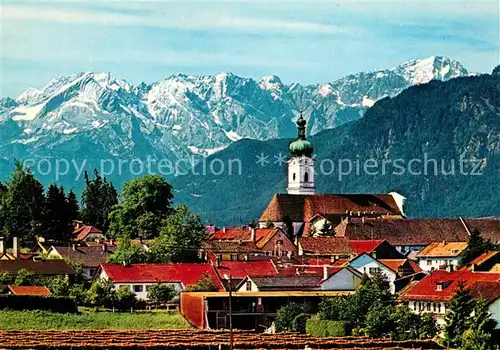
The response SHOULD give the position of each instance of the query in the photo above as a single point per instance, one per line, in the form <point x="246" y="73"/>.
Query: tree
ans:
<point x="289" y="230"/>
<point x="125" y="298"/>
<point x="458" y="316"/>
<point x="59" y="286"/>
<point x="477" y="245"/>
<point x="299" y="323"/>
<point x="24" y="278"/>
<point x="480" y="335"/>
<point x="286" y="315"/>
<point x="206" y="283"/>
<point x="326" y="230"/>
<point x="379" y="320"/>
<point x="181" y="237"/>
<point x="23" y="205"/>
<point x="73" y="206"/>
<point x="428" y="327"/>
<point x="58" y="222"/>
<point x="98" y="199"/>
<point x="101" y="294"/>
<point x="128" y="253"/>
<point x="161" y="293"/>
<point x="147" y="201"/>
<point x="3" y="198"/>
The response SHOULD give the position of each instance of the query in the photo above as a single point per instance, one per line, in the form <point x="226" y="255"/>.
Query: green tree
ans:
<point x="101" y="294"/>
<point x="23" y="205"/>
<point x="98" y="199"/>
<point x="73" y="206"/>
<point x="3" y="199"/>
<point x="286" y="315"/>
<point x="206" y="283"/>
<point x="59" y="286"/>
<point x="428" y="328"/>
<point x="58" y="222"/>
<point x="24" y="278"/>
<point x="477" y="245"/>
<point x="289" y="230"/>
<point x="128" y="253"/>
<point x="161" y="293"/>
<point x="379" y="320"/>
<point x="181" y="237"/>
<point x="299" y="323"/>
<point x="125" y="298"/>
<point x="326" y="230"/>
<point x="480" y="335"/>
<point x="458" y="316"/>
<point x="147" y="201"/>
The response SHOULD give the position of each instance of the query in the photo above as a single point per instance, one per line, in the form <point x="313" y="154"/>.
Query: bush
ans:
<point x="286" y="315"/>
<point x="38" y="302"/>
<point x="125" y="298"/>
<point x="161" y="293"/>
<point x="326" y="328"/>
<point x="379" y="321"/>
<point x="299" y="323"/>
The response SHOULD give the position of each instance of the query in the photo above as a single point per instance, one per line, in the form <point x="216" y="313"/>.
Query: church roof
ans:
<point x="301" y="208"/>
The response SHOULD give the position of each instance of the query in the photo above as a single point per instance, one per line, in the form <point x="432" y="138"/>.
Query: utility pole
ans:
<point x="230" y="311"/>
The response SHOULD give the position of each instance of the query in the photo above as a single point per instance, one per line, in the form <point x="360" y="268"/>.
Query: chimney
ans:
<point x="217" y="261"/>
<point x="252" y="235"/>
<point x="2" y="246"/>
<point x="297" y="271"/>
<point x="325" y="272"/>
<point x="444" y="243"/>
<point x="73" y="246"/>
<point x="104" y="248"/>
<point x="15" y="247"/>
<point x="224" y="229"/>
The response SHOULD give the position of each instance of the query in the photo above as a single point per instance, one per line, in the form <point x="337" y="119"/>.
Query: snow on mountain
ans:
<point x="183" y="115"/>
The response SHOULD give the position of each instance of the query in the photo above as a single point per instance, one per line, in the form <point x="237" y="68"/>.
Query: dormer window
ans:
<point x="439" y="286"/>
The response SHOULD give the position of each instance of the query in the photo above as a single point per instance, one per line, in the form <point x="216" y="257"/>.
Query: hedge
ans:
<point x="325" y="328"/>
<point x="38" y="302"/>
<point x="299" y="323"/>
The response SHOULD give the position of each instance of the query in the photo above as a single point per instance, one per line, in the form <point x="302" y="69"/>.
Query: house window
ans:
<point x="373" y="270"/>
<point x="147" y="288"/>
<point x="279" y="242"/>
<point x="138" y="288"/>
<point x="434" y="307"/>
<point x="306" y="177"/>
<point x="429" y="262"/>
<point x="428" y="306"/>
<point x="293" y="176"/>
<point x="234" y="257"/>
<point x="249" y="286"/>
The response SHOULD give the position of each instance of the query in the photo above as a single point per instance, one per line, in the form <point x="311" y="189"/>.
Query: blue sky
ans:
<point x="298" y="41"/>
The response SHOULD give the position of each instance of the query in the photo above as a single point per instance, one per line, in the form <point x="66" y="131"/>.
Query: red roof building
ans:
<point x="29" y="290"/>
<point x="84" y="233"/>
<point x="184" y="273"/>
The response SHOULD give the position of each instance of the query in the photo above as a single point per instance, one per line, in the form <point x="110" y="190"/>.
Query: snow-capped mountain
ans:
<point x="87" y="114"/>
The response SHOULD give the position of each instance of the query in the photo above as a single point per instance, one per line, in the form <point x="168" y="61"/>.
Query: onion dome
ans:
<point x="301" y="146"/>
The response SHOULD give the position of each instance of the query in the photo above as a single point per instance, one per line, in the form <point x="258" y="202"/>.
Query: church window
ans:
<point x="293" y="176"/>
<point x="306" y="177"/>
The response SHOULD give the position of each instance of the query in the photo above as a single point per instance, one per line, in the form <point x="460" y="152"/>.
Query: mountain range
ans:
<point x="98" y="116"/>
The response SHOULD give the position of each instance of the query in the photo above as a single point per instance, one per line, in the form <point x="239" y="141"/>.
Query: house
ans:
<point x="140" y="277"/>
<point x="39" y="268"/>
<point x="261" y="241"/>
<point x="439" y="255"/>
<point x="86" y="233"/>
<point x="409" y="235"/>
<point x="433" y="293"/>
<point x="16" y="250"/>
<point x="485" y="262"/>
<point x="345" y="278"/>
<point x="332" y="248"/>
<point x="238" y="270"/>
<point x="279" y="283"/>
<point x="28" y="290"/>
<point x="89" y="256"/>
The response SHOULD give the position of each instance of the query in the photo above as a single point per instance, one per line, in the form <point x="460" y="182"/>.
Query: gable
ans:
<point x="345" y="279"/>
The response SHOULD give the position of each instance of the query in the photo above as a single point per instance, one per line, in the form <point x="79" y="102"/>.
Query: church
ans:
<point x="310" y="212"/>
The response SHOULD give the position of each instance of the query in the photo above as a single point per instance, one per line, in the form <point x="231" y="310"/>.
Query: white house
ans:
<point x="433" y="293"/>
<point x="140" y="277"/>
<point x="365" y="264"/>
<point x="346" y="278"/>
<point x="440" y="255"/>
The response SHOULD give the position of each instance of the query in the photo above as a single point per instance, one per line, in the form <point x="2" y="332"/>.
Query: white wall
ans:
<point x="364" y="263"/>
<point x="145" y="288"/>
<point x="495" y="312"/>
<point x="438" y="309"/>
<point x="243" y="287"/>
<point x="342" y="280"/>
<point x="434" y="263"/>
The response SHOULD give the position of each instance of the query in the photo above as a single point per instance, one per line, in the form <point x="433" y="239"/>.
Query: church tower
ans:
<point x="301" y="163"/>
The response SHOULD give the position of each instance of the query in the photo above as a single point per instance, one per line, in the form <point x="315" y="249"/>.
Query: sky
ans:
<point x="301" y="42"/>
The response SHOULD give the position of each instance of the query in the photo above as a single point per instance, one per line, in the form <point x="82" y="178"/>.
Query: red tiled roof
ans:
<point x="84" y="231"/>
<point x="326" y="245"/>
<point x="241" y="269"/>
<point x="408" y="231"/>
<point x="443" y="249"/>
<point x="230" y="247"/>
<point x="486" y="290"/>
<point x="29" y="290"/>
<point x="488" y="227"/>
<point x="393" y="264"/>
<point x="185" y="273"/>
<point x="312" y="261"/>
<point x="91" y="256"/>
<point x="414" y="266"/>
<point x="304" y="270"/>
<point x="426" y="288"/>
<point x="262" y="235"/>
<point x="365" y="246"/>
<point x="301" y="208"/>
